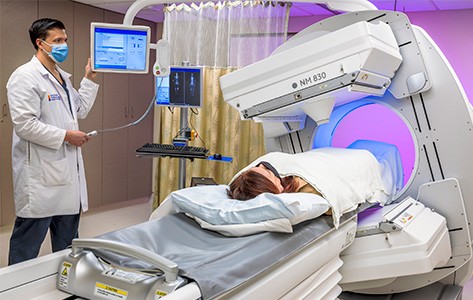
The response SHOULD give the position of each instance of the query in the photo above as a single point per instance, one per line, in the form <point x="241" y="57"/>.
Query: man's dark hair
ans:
<point x="39" y="29"/>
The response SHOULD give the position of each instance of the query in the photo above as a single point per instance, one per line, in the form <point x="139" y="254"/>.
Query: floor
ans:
<point x="93" y="223"/>
<point x="118" y="216"/>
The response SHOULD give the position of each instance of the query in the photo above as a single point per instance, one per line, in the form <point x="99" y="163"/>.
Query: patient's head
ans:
<point x="260" y="179"/>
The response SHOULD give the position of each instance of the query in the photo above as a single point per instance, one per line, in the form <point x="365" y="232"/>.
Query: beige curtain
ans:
<point x="216" y="36"/>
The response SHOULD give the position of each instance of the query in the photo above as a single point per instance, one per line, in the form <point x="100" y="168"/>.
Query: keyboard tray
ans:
<point x="152" y="149"/>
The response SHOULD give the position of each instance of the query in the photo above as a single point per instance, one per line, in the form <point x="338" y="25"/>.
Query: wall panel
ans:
<point x="16" y="49"/>
<point x="92" y="151"/>
<point x="115" y="113"/>
<point x="140" y="94"/>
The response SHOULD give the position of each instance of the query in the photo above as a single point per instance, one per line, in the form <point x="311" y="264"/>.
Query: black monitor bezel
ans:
<point x="173" y="68"/>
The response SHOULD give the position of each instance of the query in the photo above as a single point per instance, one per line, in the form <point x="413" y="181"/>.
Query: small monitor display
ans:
<point x="182" y="88"/>
<point x="120" y="48"/>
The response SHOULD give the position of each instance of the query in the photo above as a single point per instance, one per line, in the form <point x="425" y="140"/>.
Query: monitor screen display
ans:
<point x="183" y="87"/>
<point x="120" y="48"/>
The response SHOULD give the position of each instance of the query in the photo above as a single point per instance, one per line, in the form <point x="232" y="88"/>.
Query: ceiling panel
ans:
<point x="299" y="9"/>
<point x="311" y="9"/>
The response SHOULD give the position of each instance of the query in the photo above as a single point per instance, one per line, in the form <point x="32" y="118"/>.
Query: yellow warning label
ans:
<point x="159" y="294"/>
<point x="110" y="292"/>
<point x="64" y="276"/>
<point x="405" y="218"/>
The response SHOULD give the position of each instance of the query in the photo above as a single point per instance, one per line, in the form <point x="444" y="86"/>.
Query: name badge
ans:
<point x="54" y="97"/>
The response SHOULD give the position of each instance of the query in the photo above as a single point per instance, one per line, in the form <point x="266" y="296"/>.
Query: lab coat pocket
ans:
<point x="55" y="172"/>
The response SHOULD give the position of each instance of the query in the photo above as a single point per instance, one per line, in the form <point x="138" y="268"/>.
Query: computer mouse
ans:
<point x="218" y="156"/>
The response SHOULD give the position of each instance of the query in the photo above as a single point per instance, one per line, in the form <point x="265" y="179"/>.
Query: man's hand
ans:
<point x="89" y="74"/>
<point x="76" y="137"/>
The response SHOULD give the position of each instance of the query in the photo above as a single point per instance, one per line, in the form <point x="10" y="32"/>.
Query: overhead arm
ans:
<point x="163" y="48"/>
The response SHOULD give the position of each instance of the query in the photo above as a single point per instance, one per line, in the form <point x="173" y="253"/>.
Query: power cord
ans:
<point x="151" y="104"/>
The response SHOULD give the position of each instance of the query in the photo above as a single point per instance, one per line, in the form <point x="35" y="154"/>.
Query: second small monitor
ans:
<point x="182" y="88"/>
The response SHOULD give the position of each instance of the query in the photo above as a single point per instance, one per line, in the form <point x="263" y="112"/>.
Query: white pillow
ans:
<point x="211" y="204"/>
<point x="276" y="225"/>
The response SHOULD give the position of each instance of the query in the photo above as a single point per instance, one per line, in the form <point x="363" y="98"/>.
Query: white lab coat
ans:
<point x="48" y="174"/>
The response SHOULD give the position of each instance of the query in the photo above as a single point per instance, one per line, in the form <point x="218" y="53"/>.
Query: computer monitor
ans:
<point x="182" y="88"/>
<point x="118" y="48"/>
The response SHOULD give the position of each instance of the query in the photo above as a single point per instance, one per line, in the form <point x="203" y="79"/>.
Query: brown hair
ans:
<point x="39" y="29"/>
<point x="250" y="184"/>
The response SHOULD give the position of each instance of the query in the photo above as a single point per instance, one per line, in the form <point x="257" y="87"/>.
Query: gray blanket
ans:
<point x="216" y="262"/>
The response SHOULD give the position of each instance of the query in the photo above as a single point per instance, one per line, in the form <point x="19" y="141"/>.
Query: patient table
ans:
<point x="220" y="266"/>
<point x="420" y="243"/>
<point x="304" y="264"/>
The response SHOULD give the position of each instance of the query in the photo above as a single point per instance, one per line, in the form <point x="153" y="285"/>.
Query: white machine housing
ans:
<point x="310" y="78"/>
<point x="415" y="241"/>
<point x="426" y="94"/>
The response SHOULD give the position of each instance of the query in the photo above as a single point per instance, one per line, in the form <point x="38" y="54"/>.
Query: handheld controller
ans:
<point x="92" y="133"/>
<point x="162" y="66"/>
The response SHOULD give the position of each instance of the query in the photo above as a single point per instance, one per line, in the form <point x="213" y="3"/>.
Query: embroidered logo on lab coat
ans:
<point x="54" y="97"/>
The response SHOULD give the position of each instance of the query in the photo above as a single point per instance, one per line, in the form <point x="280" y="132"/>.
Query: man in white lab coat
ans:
<point x="48" y="171"/>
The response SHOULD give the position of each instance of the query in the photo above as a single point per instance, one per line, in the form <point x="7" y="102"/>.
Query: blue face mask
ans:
<point x="58" y="52"/>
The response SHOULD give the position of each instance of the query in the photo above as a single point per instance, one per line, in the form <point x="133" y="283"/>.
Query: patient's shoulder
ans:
<point x="304" y="187"/>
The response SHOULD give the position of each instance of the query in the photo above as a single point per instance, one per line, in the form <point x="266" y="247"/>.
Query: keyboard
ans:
<point x="173" y="151"/>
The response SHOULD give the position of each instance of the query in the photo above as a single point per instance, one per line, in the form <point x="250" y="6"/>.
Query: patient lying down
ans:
<point x="281" y="190"/>
<point x="345" y="178"/>
<point x="264" y="178"/>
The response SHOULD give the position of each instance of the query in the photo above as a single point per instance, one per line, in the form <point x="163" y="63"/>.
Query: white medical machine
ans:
<point x="421" y="245"/>
<point x="345" y="62"/>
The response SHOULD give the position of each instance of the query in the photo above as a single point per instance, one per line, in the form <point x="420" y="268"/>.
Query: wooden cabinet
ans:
<point x="15" y="49"/>
<point x="126" y="98"/>
<point x="92" y="151"/>
<point x="115" y="144"/>
<point x="140" y="169"/>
